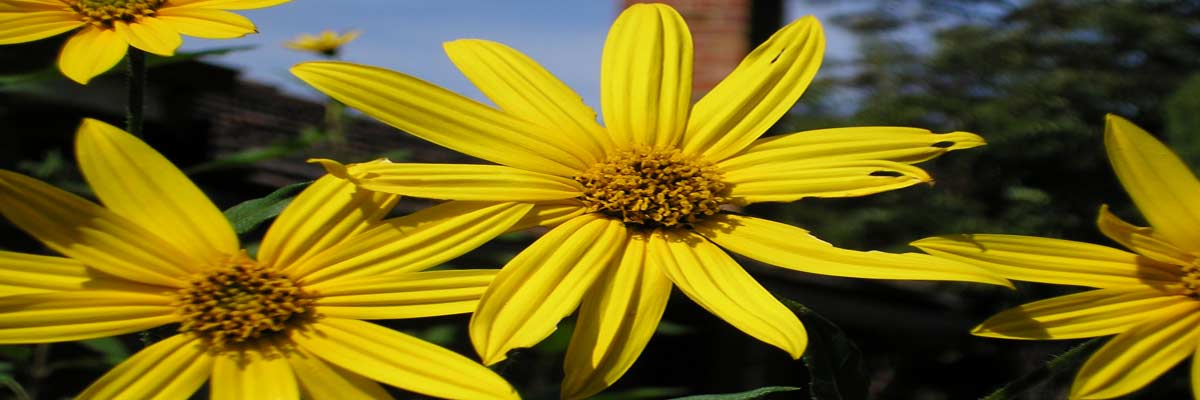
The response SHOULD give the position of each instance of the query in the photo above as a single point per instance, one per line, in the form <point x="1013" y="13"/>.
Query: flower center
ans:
<point x="105" y="12"/>
<point x="240" y="303"/>
<point x="653" y="187"/>
<point x="1191" y="278"/>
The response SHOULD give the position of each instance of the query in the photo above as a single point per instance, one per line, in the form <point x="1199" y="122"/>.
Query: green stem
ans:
<point x="135" y="112"/>
<point x="1068" y="361"/>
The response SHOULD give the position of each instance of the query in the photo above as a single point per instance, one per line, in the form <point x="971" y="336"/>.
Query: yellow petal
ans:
<point x="30" y="6"/>
<point x="1092" y="313"/>
<point x="1047" y="260"/>
<point x="206" y="23"/>
<point x="414" y="242"/>
<point x="543" y="284"/>
<point x="325" y="215"/>
<point x="549" y="214"/>
<point x="1134" y="358"/>
<point x="253" y="373"/>
<point x="91" y="234"/>
<point x="226" y="4"/>
<point x="400" y="360"/>
<point x="78" y="315"/>
<point x="793" y="248"/>
<point x="400" y="296"/>
<point x="903" y="145"/>
<point x="170" y="369"/>
<point x="320" y="380"/>
<point x="137" y="183"/>
<point x="472" y="182"/>
<point x="713" y="280"/>
<point x="646" y="77"/>
<point x="764" y="86"/>
<point x="1161" y="186"/>
<point x="616" y="320"/>
<point x="90" y="52"/>
<point x="790" y="181"/>
<point x="28" y="273"/>
<point x="1141" y="240"/>
<point x="521" y="87"/>
<point x="150" y="35"/>
<point x="27" y="26"/>
<point x="442" y="117"/>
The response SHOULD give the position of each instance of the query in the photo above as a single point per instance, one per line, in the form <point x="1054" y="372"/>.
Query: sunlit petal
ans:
<point x="1132" y="359"/>
<point x="206" y="23"/>
<point x="764" y="86"/>
<point x="320" y="380"/>
<point x="550" y="214"/>
<point x="903" y="145"/>
<point x="227" y="4"/>
<point x="28" y="273"/>
<point x="616" y="320"/>
<point x="472" y="182"/>
<point x="1141" y="240"/>
<point x="172" y="369"/>
<point x="253" y="373"/>
<point x="794" y="248"/>
<point x="646" y="76"/>
<point x="400" y="360"/>
<point x="543" y="284"/>
<point x="91" y="52"/>
<point x="784" y="181"/>
<point x="400" y="296"/>
<point x="27" y="26"/>
<point x="1162" y="187"/>
<point x="1048" y="260"/>
<point x="78" y="315"/>
<point x="1089" y="314"/>
<point x="150" y="35"/>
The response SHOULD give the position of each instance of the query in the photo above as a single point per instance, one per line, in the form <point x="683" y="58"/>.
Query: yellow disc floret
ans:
<point x="1190" y="281"/>
<point x="653" y="187"/>
<point x="240" y="303"/>
<point x="105" y="12"/>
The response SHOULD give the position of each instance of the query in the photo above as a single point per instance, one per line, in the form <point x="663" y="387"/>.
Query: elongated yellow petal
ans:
<point x="543" y="284"/>
<point x="646" y="77"/>
<point x="27" y="26"/>
<point x="1134" y="358"/>
<point x="616" y="320"/>
<point x="442" y="117"/>
<point x="226" y="4"/>
<point x="253" y="373"/>
<point x="170" y="369"/>
<point x="90" y="52"/>
<point x="1089" y="314"/>
<point x="1161" y="186"/>
<point x="549" y="214"/>
<point x="91" y="234"/>
<point x="399" y="296"/>
<point x="150" y="35"/>
<point x="28" y="273"/>
<point x="414" y="242"/>
<point x="320" y="380"/>
<point x="713" y="280"/>
<point x="521" y="87"/>
<point x="206" y="23"/>
<point x="1063" y="262"/>
<point x="137" y="183"/>
<point x="326" y="214"/>
<point x="470" y="182"/>
<point x="78" y="315"/>
<point x="400" y="360"/>
<point x="1141" y="240"/>
<point x="30" y="6"/>
<point x="903" y="145"/>
<point x="764" y="86"/>
<point x="790" y="181"/>
<point x="793" y="248"/>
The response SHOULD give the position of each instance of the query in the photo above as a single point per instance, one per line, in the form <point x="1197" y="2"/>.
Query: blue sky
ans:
<point x="565" y="36"/>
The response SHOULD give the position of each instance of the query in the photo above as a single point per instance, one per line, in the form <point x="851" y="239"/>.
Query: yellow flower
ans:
<point x="1148" y="298"/>
<point x="642" y="205"/>
<point x="327" y="42"/>
<point x="109" y="27"/>
<point x="283" y="326"/>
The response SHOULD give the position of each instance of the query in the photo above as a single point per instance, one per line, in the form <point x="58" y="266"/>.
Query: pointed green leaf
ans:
<point x="249" y="214"/>
<point x="748" y="395"/>
<point x="835" y="364"/>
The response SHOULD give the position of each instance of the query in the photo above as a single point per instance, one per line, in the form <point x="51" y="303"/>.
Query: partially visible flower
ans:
<point x="282" y="325"/>
<point x="326" y="43"/>
<point x="642" y="205"/>
<point x="109" y="27"/>
<point x="1149" y="298"/>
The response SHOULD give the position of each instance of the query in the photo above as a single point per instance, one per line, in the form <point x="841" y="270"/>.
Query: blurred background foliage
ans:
<point x="1035" y="78"/>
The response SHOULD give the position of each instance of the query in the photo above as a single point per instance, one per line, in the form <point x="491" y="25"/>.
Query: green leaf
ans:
<point x="834" y="362"/>
<point x="110" y="348"/>
<point x="1063" y="363"/>
<point x="749" y="395"/>
<point x="640" y="393"/>
<point x="249" y="214"/>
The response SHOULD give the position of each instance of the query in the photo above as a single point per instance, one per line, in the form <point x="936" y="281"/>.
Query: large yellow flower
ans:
<point x="1148" y="298"/>
<point x="109" y="27"/>
<point x="280" y="326"/>
<point x="326" y="43"/>
<point x="644" y="204"/>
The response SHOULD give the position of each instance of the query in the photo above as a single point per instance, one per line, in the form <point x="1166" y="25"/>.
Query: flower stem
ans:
<point x="135" y="112"/>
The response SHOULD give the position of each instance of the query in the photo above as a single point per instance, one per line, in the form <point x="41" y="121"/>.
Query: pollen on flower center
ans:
<point x="1191" y="279"/>
<point x="653" y="187"/>
<point x="105" y="12"/>
<point x="240" y="303"/>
